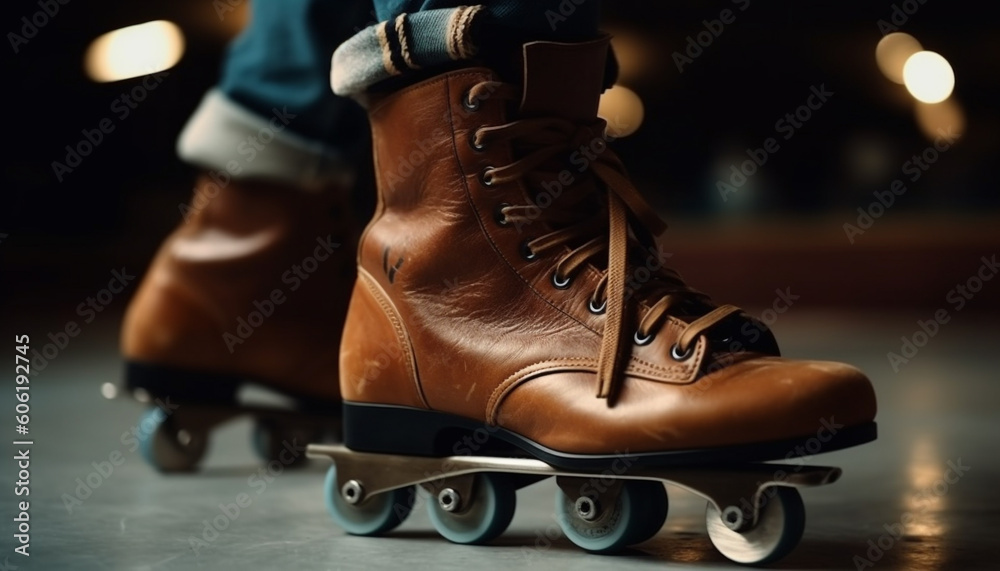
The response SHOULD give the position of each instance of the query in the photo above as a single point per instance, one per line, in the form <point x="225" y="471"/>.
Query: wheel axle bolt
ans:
<point x="586" y="508"/>
<point x="352" y="492"/>
<point x="449" y="499"/>
<point x="732" y="517"/>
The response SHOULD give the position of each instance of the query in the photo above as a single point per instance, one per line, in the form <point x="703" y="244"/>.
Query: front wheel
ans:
<point x="781" y="521"/>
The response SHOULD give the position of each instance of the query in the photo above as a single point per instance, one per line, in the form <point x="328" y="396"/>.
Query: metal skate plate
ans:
<point x="737" y="486"/>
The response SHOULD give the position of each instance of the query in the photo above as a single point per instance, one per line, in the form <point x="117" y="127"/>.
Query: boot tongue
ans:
<point x="563" y="80"/>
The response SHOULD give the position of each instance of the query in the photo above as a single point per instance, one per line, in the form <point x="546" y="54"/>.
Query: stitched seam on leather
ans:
<point x="697" y="360"/>
<point x="522" y="375"/>
<point x="689" y="371"/>
<point x="528" y="372"/>
<point x="654" y="367"/>
<point x="398" y="328"/>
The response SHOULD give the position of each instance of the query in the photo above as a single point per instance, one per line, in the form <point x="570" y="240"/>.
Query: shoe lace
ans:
<point x="623" y="223"/>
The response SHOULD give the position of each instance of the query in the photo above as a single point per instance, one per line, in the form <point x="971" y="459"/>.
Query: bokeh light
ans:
<point x="134" y="51"/>
<point x="622" y="109"/>
<point x="928" y="77"/>
<point x="892" y="52"/>
<point x="933" y="118"/>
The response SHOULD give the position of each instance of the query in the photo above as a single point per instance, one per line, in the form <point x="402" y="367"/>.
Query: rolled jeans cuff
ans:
<point x="226" y="137"/>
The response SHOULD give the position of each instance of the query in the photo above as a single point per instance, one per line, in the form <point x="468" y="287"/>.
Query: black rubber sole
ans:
<point x="416" y="432"/>
<point x="206" y="388"/>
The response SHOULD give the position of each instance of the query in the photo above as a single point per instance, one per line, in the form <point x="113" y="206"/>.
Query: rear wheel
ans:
<point x="359" y="515"/>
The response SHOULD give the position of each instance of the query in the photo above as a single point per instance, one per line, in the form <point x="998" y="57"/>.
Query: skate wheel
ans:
<point x="483" y="517"/>
<point x="372" y="516"/>
<point x="638" y="513"/>
<point x="277" y="442"/>
<point x="779" y="529"/>
<point x="653" y="513"/>
<point x="166" y="447"/>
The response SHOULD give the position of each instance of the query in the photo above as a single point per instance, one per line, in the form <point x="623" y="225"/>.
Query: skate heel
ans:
<point x="415" y="432"/>
<point x="185" y="406"/>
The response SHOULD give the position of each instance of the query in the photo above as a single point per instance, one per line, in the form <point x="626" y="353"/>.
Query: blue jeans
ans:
<point x="282" y="59"/>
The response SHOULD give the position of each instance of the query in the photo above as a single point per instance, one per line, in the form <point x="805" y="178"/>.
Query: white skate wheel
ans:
<point x="778" y="530"/>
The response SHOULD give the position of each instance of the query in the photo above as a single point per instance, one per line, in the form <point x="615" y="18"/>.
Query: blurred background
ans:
<point x="700" y="91"/>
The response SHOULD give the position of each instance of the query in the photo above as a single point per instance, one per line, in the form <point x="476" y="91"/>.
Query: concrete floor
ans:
<point x="940" y="408"/>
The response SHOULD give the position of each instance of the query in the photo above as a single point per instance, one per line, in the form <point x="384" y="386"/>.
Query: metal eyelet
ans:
<point x="469" y="103"/>
<point x="640" y="340"/>
<point x="499" y="216"/>
<point x="526" y="252"/>
<point x="486" y="177"/>
<point x="678" y="356"/>
<point x="472" y="142"/>
<point x="562" y="283"/>
<point x="597" y="309"/>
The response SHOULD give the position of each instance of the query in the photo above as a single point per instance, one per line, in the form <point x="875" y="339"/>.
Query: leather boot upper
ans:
<point x="510" y="275"/>
<point x="254" y="283"/>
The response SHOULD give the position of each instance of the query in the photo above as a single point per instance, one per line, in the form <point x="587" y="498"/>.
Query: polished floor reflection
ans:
<point x="923" y="497"/>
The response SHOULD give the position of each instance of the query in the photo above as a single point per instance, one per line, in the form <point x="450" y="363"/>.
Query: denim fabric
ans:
<point x="415" y="35"/>
<point x="282" y="59"/>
